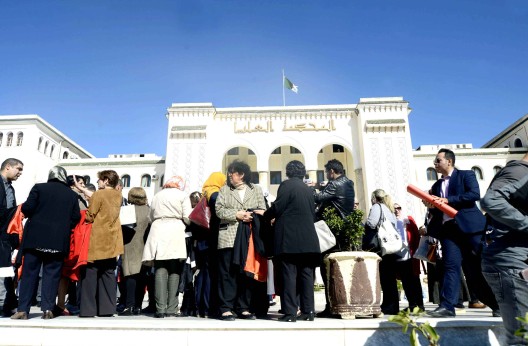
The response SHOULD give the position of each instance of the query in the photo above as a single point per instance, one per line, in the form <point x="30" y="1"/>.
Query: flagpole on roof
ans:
<point x="283" y="93"/>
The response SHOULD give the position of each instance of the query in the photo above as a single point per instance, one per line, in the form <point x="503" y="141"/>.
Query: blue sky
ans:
<point x="104" y="71"/>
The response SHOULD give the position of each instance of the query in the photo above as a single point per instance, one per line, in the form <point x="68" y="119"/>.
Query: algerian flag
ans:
<point x="290" y="85"/>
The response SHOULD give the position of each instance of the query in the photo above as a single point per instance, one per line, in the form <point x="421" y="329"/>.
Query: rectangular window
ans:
<point x="233" y="151"/>
<point x="275" y="177"/>
<point x="320" y="176"/>
<point x="336" y="148"/>
<point x="254" y="177"/>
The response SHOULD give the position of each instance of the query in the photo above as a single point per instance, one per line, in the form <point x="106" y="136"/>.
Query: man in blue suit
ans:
<point x="459" y="236"/>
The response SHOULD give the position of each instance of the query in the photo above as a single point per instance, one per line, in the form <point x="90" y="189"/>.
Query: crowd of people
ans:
<point x="72" y="244"/>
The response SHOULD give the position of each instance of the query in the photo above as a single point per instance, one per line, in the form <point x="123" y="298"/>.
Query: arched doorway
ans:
<point x="278" y="160"/>
<point x="242" y="154"/>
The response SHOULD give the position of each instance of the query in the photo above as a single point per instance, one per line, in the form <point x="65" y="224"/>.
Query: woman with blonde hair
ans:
<point x="206" y="251"/>
<point x="382" y="208"/>
<point x="165" y="247"/>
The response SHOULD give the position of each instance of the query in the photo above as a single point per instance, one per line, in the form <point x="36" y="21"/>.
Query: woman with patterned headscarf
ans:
<point x="52" y="210"/>
<point x="206" y="252"/>
<point x="165" y="246"/>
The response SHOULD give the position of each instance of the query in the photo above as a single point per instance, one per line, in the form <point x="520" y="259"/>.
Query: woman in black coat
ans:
<point x="296" y="245"/>
<point x="52" y="210"/>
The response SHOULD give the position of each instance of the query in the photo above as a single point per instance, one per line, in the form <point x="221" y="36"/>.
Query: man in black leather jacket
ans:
<point x="338" y="193"/>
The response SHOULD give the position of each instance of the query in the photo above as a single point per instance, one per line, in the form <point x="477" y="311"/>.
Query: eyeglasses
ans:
<point x="397" y="208"/>
<point x="437" y="160"/>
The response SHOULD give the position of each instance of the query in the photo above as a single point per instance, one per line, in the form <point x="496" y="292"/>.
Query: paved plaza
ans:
<point x="473" y="327"/>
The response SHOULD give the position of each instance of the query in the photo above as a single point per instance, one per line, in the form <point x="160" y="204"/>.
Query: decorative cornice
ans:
<point x="385" y="125"/>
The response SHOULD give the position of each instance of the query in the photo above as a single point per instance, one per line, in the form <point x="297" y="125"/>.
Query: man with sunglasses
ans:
<point x="459" y="236"/>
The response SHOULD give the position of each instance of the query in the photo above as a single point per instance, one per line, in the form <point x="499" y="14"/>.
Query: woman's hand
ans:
<point x="244" y="216"/>
<point x="259" y="211"/>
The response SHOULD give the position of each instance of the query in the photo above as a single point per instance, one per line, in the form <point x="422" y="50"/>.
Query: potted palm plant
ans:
<point x="353" y="275"/>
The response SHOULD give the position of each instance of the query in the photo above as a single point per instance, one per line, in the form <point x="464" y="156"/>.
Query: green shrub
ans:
<point x="348" y="231"/>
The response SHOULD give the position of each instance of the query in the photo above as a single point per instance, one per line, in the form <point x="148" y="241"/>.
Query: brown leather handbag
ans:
<point x="201" y="214"/>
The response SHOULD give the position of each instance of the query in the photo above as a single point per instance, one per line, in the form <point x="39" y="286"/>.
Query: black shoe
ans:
<point x="47" y="315"/>
<point x="230" y="317"/>
<point x="496" y="313"/>
<point x="306" y="317"/>
<point x="175" y="314"/>
<point x="136" y="311"/>
<point x="159" y="315"/>
<point x="149" y="310"/>
<point x="288" y="318"/>
<point x="324" y="313"/>
<point x="127" y="312"/>
<point x="246" y="316"/>
<point x="441" y="313"/>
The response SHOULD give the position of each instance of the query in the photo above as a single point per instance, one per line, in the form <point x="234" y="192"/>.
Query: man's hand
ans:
<point x="440" y="200"/>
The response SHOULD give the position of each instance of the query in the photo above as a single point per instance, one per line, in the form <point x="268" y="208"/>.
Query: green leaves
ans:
<point x="405" y="320"/>
<point x="348" y="231"/>
<point x="522" y="332"/>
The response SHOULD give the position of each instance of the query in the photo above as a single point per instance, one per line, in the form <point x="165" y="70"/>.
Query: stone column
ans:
<point x="264" y="179"/>
<point x="312" y="174"/>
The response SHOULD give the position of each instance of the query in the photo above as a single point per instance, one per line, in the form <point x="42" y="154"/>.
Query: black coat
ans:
<point x="8" y="242"/>
<point x="294" y="213"/>
<point x="52" y="209"/>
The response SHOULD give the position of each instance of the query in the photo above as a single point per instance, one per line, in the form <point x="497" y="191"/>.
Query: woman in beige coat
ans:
<point x="165" y="246"/>
<point x="98" y="283"/>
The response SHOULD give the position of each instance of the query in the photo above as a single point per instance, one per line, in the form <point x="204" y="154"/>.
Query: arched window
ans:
<point x="145" y="180"/>
<point x="46" y="148"/>
<point x="52" y="150"/>
<point x="1" y="138"/>
<point x="431" y="174"/>
<point x="478" y="172"/>
<point x="162" y="180"/>
<point x="496" y="169"/>
<point x="20" y="138"/>
<point x="518" y="143"/>
<point x="125" y="179"/>
<point x="9" y="139"/>
<point x="40" y="144"/>
<point x="65" y="155"/>
<point x="86" y="179"/>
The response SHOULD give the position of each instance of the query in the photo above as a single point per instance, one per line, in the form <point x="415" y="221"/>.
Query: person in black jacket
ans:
<point x="296" y="245"/>
<point x="339" y="194"/>
<point x="10" y="170"/>
<point x="52" y="210"/>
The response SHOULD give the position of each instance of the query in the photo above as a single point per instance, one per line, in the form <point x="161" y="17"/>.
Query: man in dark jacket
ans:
<point x="339" y="194"/>
<point x="52" y="209"/>
<point x="504" y="260"/>
<point x="10" y="170"/>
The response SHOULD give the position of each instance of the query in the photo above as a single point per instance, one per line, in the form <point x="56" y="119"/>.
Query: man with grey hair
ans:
<point x="10" y="170"/>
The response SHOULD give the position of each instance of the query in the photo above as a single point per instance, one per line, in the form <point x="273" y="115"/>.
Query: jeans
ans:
<point x="511" y="291"/>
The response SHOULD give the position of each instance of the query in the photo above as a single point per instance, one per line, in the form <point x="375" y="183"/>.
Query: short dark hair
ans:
<point x="242" y="168"/>
<point x="295" y="169"/>
<point x="448" y="154"/>
<point x="111" y="175"/>
<point x="11" y="162"/>
<point x="195" y="196"/>
<point x="335" y="165"/>
<point x="91" y="187"/>
<point x="77" y="177"/>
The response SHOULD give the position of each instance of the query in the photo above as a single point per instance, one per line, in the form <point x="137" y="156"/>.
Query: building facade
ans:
<point x="371" y="138"/>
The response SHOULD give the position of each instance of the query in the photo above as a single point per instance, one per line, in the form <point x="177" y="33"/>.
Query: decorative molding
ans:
<point x="385" y="125"/>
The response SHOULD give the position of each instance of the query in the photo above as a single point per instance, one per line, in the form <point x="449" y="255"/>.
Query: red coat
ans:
<point x="413" y="237"/>
<point x="79" y="243"/>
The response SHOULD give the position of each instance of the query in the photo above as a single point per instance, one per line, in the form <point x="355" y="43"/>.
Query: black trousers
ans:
<point x="51" y="264"/>
<point x="234" y="288"/>
<point x="389" y="269"/>
<point x="298" y="284"/>
<point x="135" y="288"/>
<point x="98" y="288"/>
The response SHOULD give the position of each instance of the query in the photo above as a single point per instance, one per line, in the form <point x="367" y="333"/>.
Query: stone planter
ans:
<point x="353" y="284"/>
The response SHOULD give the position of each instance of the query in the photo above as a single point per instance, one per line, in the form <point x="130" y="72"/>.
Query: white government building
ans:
<point x="371" y="138"/>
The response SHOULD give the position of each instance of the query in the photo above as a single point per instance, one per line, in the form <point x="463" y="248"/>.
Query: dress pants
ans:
<point x="135" y="288"/>
<point x="167" y="280"/>
<point x="456" y="246"/>
<point x="389" y="268"/>
<point x="98" y="288"/>
<point x="234" y="291"/>
<point x="298" y="280"/>
<point x="202" y="283"/>
<point x="51" y="264"/>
